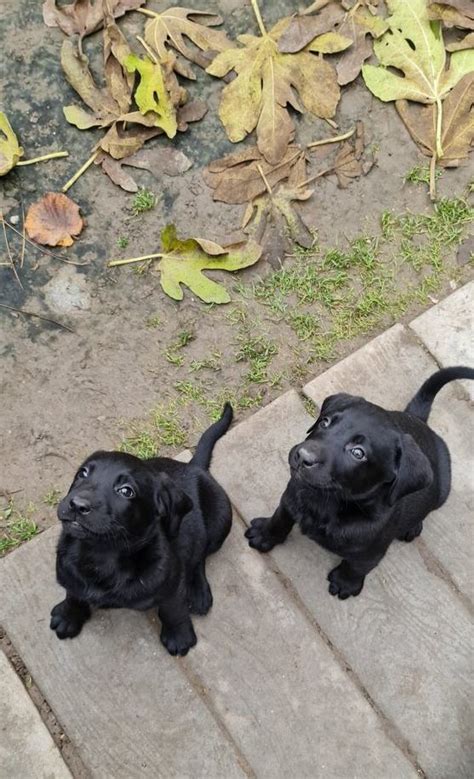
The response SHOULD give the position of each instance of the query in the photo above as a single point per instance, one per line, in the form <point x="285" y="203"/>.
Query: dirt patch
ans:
<point x="65" y="394"/>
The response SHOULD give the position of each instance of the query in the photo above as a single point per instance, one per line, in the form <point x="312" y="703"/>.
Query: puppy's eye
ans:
<point x="324" y="422"/>
<point x="126" y="491"/>
<point x="82" y="473"/>
<point x="358" y="453"/>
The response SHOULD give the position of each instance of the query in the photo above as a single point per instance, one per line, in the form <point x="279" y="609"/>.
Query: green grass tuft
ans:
<point x="143" y="201"/>
<point x="15" y="527"/>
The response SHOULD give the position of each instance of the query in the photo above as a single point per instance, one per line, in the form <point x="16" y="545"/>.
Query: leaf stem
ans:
<point x="316" y="176"/>
<point x="43" y="158"/>
<point x="146" y="12"/>
<point x="316" y="6"/>
<point x="81" y="170"/>
<point x="147" y="49"/>
<point x="433" y="177"/>
<point x="333" y="139"/>
<point x="258" y="16"/>
<point x="114" y="263"/>
<point x="439" y="124"/>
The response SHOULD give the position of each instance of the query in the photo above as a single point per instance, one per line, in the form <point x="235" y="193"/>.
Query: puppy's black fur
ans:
<point x="136" y="534"/>
<point x="363" y="477"/>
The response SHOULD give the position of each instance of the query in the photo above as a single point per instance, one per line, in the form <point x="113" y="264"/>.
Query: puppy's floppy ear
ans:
<point x="171" y="504"/>
<point x="340" y="400"/>
<point x="413" y="471"/>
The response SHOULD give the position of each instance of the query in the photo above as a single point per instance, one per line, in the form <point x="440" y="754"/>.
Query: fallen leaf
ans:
<point x="175" y="25"/>
<point x="416" y="48"/>
<point x="273" y="221"/>
<point x="10" y="149"/>
<point x="414" y="45"/>
<point x="466" y="43"/>
<point x="169" y="161"/>
<point x="457" y="131"/>
<point x="183" y="262"/>
<point x="236" y="178"/>
<point x="54" y="220"/>
<point x="82" y="17"/>
<point x="152" y="95"/>
<point x="266" y="83"/>
<point x="358" y="26"/>
<point x="453" y="13"/>
<point x="303" y="29"/>
<point x="348" y="164"/>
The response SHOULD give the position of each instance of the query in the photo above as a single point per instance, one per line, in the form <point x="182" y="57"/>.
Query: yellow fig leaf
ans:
<point x="330" y="43"/>
<point x="183" y="261"/>
<point x="266" y="83"/>
<point x="10" y="149"/>
<point x="152" y="95"/>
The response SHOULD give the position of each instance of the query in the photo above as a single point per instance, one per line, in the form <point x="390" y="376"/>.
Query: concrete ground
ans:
<point x="285" y="680"/>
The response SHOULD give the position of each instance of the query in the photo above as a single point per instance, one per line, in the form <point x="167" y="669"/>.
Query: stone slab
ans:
<point x="126" y="704"/>
<point x="447" y="329"/>
<point x="289" y="705"/>
<point x="408" y="637"/>
<point x="388" y="371"/>
<point x="27" y="750"/>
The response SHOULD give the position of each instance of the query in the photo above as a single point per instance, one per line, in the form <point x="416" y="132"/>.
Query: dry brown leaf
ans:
<point x="466" y="43"/>
<point x="236" y="178"/>
<point x="54" y="220"/>
<point x="83" y="17"/>
<point x="273" y="221"/>
<point x="157" y="161"/>
<point x="453" y="13"/>
<point x="303" y="29"/>
<point x="457" y="130"/>
<point x="349" y="163"/>
<point x="361" y="27"/>
<point x="175" y="26"/>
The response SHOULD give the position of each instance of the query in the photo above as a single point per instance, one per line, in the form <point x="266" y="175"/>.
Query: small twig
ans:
<point x="40" y="248"/>
<point x="147" y="49"/>
<point x="114" y="263"/>
<point x="39" y="316"/>
<point x="316" y="176"/>
<point x="10" y="257"/>
<point x="316" y="6"/>
<point x="334" y="139"/>
<point x="43" y="158"/>
<point x="265" y="181"/>
<point x="258" y="16"/>
<point x="81" y="170"/>
<point x="333" y="124"/>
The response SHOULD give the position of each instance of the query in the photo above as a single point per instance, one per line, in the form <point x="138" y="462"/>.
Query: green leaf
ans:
<point x="183" y="261"/>
<point x="10" y="149"/>
<point x="152" y="95"/>
<point x="414" y="45"/>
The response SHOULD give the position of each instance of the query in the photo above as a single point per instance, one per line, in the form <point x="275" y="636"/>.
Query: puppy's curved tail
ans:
<point x="203" y="453"/>
<point x="420" y="405"/>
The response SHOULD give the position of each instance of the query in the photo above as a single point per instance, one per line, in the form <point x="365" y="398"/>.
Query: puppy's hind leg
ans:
<point x="199" y="591"/>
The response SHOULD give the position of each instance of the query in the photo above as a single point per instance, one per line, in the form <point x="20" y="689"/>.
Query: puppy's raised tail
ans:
<point x="420" y="405"/>
<point x="203" y="453"/>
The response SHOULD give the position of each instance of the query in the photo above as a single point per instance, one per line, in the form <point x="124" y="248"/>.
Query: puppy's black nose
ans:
<point x="81" y="505"/>
<point x="307" y="457"/>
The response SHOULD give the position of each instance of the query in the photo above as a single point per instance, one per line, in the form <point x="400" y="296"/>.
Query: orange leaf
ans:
<point x="54" y="220"/>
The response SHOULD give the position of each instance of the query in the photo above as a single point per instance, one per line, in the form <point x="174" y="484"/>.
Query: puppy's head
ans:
<point x="117" y="497"/>
<point x="355" y="449"/>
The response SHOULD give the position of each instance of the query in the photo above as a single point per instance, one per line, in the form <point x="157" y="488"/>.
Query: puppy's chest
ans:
<point x="321" y="520"/>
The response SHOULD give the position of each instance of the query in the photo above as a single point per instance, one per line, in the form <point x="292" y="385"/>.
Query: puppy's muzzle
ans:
<point x="307" y="455"/>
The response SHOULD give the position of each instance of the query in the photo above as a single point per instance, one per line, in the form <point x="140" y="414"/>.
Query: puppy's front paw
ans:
<point x="67" y="619"/>
<point x="343" y="585"/>
<point x="200" y="598"/>
<point x="412" y="533"/>
<point x="259" y="537"/>
<point x="178" y="639"/>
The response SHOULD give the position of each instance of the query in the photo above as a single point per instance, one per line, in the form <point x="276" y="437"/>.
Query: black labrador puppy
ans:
<point x="363" y="477"/>
<point x="136" y="534"/>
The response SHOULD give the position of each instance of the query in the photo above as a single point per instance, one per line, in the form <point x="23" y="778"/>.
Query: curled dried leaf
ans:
<point x="83" y="17"/>
<point x="54" y="220"/>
